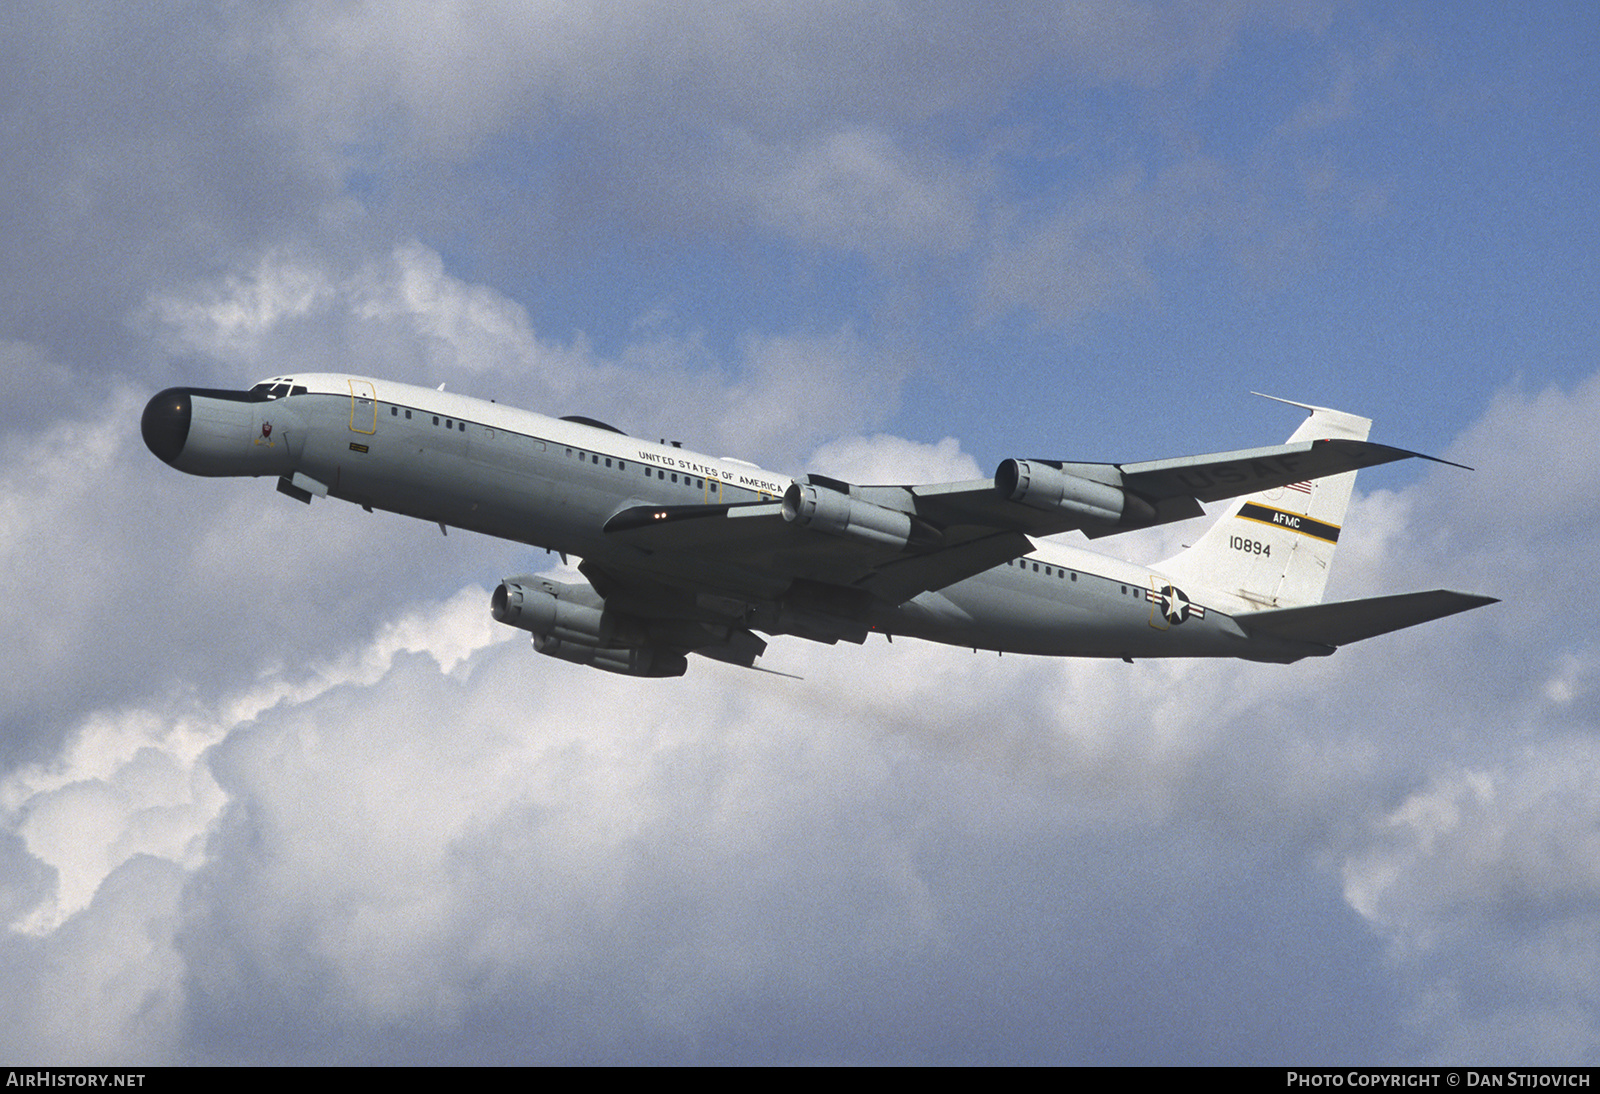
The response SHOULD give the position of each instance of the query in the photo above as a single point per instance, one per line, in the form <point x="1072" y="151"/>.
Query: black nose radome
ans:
<point x="165" y="424"/>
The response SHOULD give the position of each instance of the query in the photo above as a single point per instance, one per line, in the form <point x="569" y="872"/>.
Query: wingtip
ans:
<point x="1313" y="409"/>
<point x="1406" y="453"/>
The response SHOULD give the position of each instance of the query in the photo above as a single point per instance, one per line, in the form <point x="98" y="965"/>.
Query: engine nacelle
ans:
<point x="571" y="622"/>
<point x="624" y="660"/>
<point x="839" y="514"/>
<point x="553" y="609"/>
<point x="1040" y="486"/>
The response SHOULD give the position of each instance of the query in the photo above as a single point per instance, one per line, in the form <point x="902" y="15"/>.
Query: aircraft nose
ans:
<point x="165" y="424"/>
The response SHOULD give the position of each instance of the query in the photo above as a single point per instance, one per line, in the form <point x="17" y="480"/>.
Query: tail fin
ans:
<point x="1273" y="549"/>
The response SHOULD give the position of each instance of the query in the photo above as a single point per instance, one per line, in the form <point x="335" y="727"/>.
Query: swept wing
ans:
<point x="895" y="542"/>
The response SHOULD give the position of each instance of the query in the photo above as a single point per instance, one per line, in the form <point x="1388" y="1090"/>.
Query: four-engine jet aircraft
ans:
<point x="685" y="553"/>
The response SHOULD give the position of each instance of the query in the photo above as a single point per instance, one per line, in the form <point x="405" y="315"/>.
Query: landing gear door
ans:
<point x="363" y="407"/>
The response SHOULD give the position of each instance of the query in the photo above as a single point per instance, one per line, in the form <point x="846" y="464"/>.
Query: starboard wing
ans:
<point x="895" y="542"/>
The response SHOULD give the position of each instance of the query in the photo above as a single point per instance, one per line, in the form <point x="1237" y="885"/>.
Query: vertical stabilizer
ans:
<point x="1273" y="549"/>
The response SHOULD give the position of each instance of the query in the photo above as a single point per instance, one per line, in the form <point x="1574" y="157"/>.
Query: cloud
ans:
<point x="137" y="150"/>
<point x="1081" y="259"/>
<point x="276" y="789"/>
<point x="404" y="317"/>
<point x="886" y="459"/>
<point x="1106" y="243"/>
<point x="556" y="141"/>
<point x="434" y="844"/>
<point x="1484" y="884"/>
<point x="107" y="986"/>
<point x="856" y="190"/>
<point x="352" y="822"/>
<point x="845" y="132"/>
<point x="1478" y="878"/>
<point x="133" y="780"/>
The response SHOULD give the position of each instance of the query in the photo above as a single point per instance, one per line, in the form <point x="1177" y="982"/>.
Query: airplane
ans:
<point x="688" y="553"/>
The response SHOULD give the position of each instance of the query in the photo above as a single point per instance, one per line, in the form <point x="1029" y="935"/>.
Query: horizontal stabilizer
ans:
<point x="1346" y="621"/>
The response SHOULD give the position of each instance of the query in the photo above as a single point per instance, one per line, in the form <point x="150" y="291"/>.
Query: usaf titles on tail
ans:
<point x="686" y="553"/>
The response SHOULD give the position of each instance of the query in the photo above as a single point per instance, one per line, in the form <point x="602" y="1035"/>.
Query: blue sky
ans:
<point x="274" y="787"/>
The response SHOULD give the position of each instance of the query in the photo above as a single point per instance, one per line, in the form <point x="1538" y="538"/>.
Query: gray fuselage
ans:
<point x="554" y="483"/>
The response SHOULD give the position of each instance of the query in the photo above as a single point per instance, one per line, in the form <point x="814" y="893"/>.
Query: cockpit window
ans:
<point x="277" y="388"/>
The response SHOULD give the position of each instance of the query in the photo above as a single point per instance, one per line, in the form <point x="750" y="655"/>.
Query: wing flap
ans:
<point x="902" y="579"/>
<point x="753" y="547"/>
<point x="977" y="504"/>
<point x="747" y="548"/>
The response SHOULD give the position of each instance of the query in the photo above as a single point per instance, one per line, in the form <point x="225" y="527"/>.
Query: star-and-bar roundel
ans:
<point x="1174" y="605"/>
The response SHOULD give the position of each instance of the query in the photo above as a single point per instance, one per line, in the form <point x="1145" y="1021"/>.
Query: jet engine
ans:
<point x="553" y="609"/>
<point x="818" y="506"/>
<point x="1040" y="486"/>
<point x="625" y="660"/>
<point x="571" y="622"/>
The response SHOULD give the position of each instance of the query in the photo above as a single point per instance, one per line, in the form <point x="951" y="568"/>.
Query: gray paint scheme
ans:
<point x="691" y="553"/>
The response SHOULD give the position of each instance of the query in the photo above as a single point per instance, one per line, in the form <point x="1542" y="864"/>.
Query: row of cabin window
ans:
<point x="688" y="480"/>
<point x="394" y="412"/>
<point x="1059" y="571"/>
<point x="622" y="465"/>
<point x="590" y="457"/>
